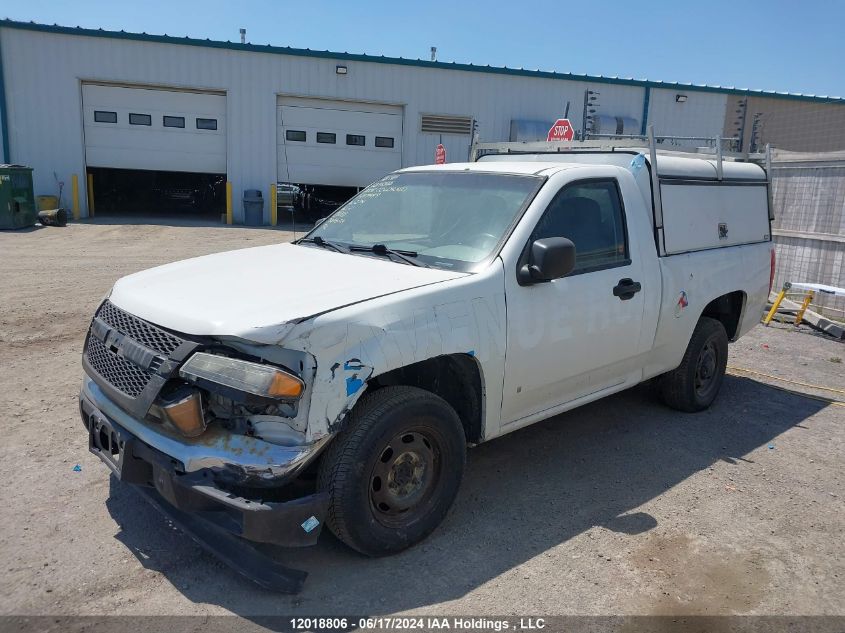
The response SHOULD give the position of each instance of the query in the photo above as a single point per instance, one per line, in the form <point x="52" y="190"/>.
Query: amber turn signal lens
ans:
<point x="284" y="386"/>
<point x="186" y="415"/>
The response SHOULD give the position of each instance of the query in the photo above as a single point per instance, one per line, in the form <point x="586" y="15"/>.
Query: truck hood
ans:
<point x="258" y="294"/>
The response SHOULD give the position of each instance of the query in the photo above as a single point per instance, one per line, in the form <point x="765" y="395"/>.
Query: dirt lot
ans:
<point x="620" y="507"/>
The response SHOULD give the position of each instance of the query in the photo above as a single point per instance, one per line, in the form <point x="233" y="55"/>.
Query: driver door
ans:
<point x="575" y="336"/>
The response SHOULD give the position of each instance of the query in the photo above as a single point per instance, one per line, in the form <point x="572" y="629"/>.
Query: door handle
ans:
<point x="626" y="289"/>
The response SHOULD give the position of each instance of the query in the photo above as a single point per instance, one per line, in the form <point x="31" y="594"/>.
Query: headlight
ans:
<point x="241" y="378"/>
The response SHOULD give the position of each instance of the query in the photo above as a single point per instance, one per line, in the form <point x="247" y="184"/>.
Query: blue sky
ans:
<point x="773" y="45"/>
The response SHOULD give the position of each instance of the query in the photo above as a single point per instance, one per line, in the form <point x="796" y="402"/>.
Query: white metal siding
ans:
<point x="3" y="158"/>
<point x="702" y="114"/>
<point x="44" y="72"/>
<point x="126" y="146"/>
<point x="337" y="163"/>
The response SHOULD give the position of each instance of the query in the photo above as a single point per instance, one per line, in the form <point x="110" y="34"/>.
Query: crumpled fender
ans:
<point x="357" y="343"/>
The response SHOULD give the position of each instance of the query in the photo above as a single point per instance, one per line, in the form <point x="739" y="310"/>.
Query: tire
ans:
<point x="394" y="471"/>
<point x="696" y="382"/>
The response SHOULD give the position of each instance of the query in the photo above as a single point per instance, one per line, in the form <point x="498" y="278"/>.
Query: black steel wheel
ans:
<point x="707" y="370"/>
<point x="394" y="471"/>
<point x="404" y="476"/>
<point x="696" y="382"/>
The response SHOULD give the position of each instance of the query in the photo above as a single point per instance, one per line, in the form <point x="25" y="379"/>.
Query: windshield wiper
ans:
<point x="381" y="249"/>
<point x="319" y="241"/>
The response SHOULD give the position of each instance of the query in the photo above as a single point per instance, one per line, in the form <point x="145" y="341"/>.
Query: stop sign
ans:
<point x="560" y="131"/>
<point x="440" y="155"/>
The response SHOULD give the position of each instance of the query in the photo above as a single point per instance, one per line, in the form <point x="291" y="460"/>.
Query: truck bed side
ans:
<point x="692" y="281"/>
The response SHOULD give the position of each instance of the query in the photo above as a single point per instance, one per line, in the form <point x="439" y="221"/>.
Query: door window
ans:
<point x="206" y="124"/>
<point x="140" y="119"/>
<point x="101" y="116"/>
<point x="590" y="214"/>
<point x="173" y="121"/>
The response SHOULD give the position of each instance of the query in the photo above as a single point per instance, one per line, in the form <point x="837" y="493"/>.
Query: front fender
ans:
<point x="357" y="343"/>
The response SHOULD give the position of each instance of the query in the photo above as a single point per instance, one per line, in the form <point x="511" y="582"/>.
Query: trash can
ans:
<point x="17" y="202"/>
<point x="253" y="207"/>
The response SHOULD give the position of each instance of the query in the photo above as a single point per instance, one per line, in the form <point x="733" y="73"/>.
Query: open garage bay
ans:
<point x="151" y="149"/>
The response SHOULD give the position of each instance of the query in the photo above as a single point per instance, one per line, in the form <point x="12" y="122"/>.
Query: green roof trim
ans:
<point x="401" y="61"/>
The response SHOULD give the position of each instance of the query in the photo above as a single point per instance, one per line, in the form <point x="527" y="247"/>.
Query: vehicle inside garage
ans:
<point x="146" y="192"/>
<point x="310" y="202"/>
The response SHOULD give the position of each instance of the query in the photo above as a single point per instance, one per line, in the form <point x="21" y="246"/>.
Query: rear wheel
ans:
<point x="695" y="383"/>
<point x="393" y="473"/>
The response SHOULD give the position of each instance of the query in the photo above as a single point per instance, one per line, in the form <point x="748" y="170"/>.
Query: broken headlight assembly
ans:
<point x="243" y="381"/>
<point x="245" y="396"/>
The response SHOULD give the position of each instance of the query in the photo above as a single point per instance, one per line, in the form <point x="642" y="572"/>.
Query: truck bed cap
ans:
<point x="668" y="166"/>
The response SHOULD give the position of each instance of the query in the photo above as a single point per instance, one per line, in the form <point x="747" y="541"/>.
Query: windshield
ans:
<point x="451" y="220"/>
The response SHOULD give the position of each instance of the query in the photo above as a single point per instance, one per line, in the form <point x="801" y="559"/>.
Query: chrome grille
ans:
<point x="117" y="371"/>
<point x="142" y="332"/>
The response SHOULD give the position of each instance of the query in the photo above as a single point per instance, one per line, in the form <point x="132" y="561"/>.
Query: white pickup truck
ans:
<point x="339" y="379"/>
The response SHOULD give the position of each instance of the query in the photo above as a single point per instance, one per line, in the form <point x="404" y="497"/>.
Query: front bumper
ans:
<point x="188" y="473"/>
<point x="236" y="459"/>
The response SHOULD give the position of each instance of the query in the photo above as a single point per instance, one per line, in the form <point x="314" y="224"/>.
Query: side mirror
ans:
<point x="549" y="258"/>
<point x="319" y="222"/>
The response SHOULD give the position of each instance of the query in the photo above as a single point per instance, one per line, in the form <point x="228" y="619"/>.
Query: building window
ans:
<point x="384" y="141"/>
<point x="295" y="135"/>
<point x="105" y="117"/>
<point x="356" y="139"/>
<point x="327" y="137"/>
<point x="140" y="119"/>
<point x="173" y="121"/>
<point x="206" y="124"/>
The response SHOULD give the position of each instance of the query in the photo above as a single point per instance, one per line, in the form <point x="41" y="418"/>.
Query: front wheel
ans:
<point x="695" y="383"/>
<point x="394" y="471"/>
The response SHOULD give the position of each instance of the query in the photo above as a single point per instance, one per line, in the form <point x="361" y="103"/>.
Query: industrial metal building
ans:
<point x="148" y="121"/>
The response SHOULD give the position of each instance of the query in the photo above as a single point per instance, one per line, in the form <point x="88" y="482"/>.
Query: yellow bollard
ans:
<point x="228" y="202"/>
<point x="768" y="318"/>
<point x="74" y="186"/>
<point x="90" y="195"/>
<point x="807" y="299"/>
<point x="274" y="211"/>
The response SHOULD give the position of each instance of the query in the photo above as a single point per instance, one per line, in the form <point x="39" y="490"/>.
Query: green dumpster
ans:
<point x="17" y="202"/>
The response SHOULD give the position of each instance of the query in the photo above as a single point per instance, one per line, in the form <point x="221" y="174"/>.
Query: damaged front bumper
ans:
<point x="197" y="475"/>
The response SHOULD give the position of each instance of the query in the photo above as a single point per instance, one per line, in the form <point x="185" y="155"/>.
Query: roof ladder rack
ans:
<point x="618" y="142"/>
<point x="655" y="179"/>
<point x="628" y="142"/>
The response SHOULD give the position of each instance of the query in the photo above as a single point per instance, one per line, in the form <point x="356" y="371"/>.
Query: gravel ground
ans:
<point x="619" y="507"/>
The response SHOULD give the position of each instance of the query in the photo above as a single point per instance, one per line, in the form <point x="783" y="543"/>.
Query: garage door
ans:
<point x="164" y="130"/>
<point x="322" y="142"/>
